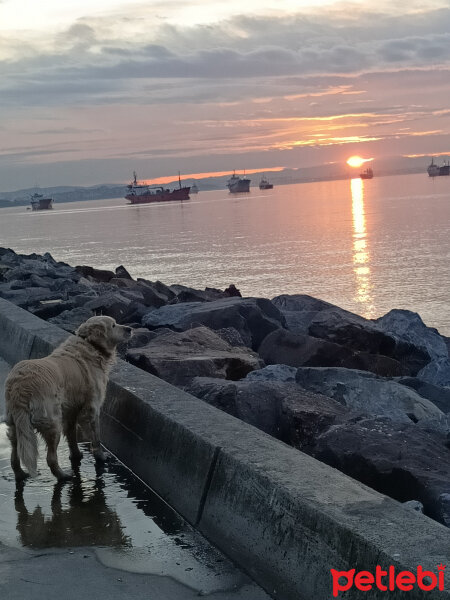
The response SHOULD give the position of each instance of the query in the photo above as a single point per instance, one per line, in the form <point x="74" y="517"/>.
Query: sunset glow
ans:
<point x="357" y="161"/>
<point x="170" y="178"/>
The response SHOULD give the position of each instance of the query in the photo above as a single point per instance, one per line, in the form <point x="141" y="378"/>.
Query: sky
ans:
<point x="90" y="91"/>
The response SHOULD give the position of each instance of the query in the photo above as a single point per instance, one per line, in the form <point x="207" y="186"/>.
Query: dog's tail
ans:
<point x="27" y="444"/>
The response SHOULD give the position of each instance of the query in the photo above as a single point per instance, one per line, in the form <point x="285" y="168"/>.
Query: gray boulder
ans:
<point x="307" y="315"/>
<point x="95" y="274"/>
<point x="70" y="320"/>
<point x="278" y="373"/>
<point x="436" y="372"/>
<point x="160" y="288"/>
<point x="298" y="349"/>
<point x="401" y="461"/>
<point x="409" y="327"/>
<point x="253" y="318"/>
<point x="154" y="294"/>
<point x="440" y="396"/>
<point x="115" y="305"/>
<point x="122" y="273"/>
<point x="369" y="394"/>
<point x="283" y="410"/>
<point x="179" y="357"/>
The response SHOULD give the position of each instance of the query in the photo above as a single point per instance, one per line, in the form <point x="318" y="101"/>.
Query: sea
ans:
<point x="367" y="246"/>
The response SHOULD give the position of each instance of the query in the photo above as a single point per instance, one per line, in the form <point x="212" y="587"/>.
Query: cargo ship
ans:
<point x="264" y="184"/>
<point x="237" y="184"/>
<point x="143" y="194"/>
<point x="367" y="174"/>
<point x="39" y="202"/>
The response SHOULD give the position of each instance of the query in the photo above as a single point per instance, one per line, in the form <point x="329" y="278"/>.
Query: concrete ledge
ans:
<point x="283" y="516"/>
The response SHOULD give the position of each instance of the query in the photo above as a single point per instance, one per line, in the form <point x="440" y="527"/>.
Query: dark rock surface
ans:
<point x="297" y="350"/>
<point x="284" y="410"/>
<point x="306" y="315"/>
<point x="178" y="357"/>
<point x="440" y="396"/>
<point x="401" y="461"/>
<point x="253" y="318"/>
<point x="367" y="393"/>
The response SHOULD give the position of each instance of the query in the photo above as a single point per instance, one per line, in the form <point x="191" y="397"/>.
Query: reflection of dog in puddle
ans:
<point x="83" y="519"/>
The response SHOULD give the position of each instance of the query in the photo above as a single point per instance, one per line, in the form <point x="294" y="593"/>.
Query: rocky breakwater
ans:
<point x="369" y="397"/>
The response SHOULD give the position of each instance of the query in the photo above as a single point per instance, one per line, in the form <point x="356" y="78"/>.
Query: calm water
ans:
<point x="367" y="246"/>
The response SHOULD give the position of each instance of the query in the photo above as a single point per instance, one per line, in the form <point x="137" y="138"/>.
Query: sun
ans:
<point x="357" y="161"/>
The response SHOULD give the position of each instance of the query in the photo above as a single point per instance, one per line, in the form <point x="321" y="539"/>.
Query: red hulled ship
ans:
<point x="143" y="194"/>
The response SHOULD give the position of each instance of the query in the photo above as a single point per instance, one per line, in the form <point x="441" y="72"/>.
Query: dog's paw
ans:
<point x="65" y="476"/>
<point x="101" y="456"/>
<point x="21" y="476"/>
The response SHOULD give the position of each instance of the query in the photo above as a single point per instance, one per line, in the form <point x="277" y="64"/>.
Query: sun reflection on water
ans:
<point x="361" y="255"/>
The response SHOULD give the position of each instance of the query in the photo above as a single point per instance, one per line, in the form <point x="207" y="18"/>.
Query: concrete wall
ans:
<point x="284" y="517"/>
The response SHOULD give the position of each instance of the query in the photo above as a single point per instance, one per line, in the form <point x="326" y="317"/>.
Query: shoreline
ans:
<point x="309" y="373"/>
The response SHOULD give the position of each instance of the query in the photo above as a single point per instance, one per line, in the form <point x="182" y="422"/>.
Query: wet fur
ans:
<point x="51" y="395"/>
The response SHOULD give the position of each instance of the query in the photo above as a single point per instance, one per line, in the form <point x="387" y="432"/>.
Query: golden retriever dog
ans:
<point x="50" y="395"/>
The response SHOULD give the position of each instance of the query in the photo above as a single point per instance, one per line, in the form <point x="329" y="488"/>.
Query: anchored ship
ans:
<point x="143" y="194"/>
<point x="264" y="184"/>
<point x="237" y="184"/>
<point x="367" y="174"/>
<point x="38" y="202"/>
<point x="435" y="170"/>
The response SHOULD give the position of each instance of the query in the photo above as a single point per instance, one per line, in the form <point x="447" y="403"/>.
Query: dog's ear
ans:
<point x="92" y="332"/>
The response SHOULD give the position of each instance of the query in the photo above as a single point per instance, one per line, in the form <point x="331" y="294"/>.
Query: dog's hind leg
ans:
<point x="52" y="437"/>
<point x="19" y="473"/>
<point x="70" y="431"/>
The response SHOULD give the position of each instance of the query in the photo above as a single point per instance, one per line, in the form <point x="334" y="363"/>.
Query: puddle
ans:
<point x="108" y="508"/>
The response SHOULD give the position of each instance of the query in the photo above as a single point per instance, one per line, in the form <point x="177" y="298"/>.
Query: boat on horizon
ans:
<point x="435" y="170"/>
<point x="194" y="188"/>
<point x="237" y="184"/>
<point x="367" y="174"/>
<point x="39" y="202"/>
<point x="264" y="184"/>
<point x="140" y="193"/>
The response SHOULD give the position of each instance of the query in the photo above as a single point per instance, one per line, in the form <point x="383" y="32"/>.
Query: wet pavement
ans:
<point x="103" y="534"/>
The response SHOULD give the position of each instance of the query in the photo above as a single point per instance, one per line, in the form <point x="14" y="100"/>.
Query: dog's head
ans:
<point x="104" y="333"/>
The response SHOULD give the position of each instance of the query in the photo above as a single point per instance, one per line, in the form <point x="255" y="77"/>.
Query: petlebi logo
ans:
<point x="388" y="580"/>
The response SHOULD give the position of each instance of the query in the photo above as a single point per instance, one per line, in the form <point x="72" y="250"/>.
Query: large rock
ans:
<point x="440" y="396"/>
<point x="283" y="410"/>
<point x="297" y="350"/>
<point x="409" y="327"/>
<point x="369" y="394"/>
<point x="254" y="318"/>
<point x="96" y="274"/>
<point x="160" y="288"/>
<point x="179" y="357"/>
<point x="187" y="294"/>
<point x="29" y="296"/>
<point x="70" y="320"/>
<point x="112" y="304"/>
<point x="153" y="294"/>
<point x="323" y="320"/>
<point x="403" y="462"/>
<point x="280" y="373"/>
<point x="436" y="372"/>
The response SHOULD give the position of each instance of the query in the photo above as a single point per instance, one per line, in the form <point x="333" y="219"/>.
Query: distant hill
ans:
<point x="390" y="165"/>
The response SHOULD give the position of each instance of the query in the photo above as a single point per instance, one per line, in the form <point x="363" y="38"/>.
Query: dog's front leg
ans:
<point x="91" y="418"/>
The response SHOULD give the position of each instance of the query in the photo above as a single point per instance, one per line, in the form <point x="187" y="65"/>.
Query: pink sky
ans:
<point x="91" y="94"/>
